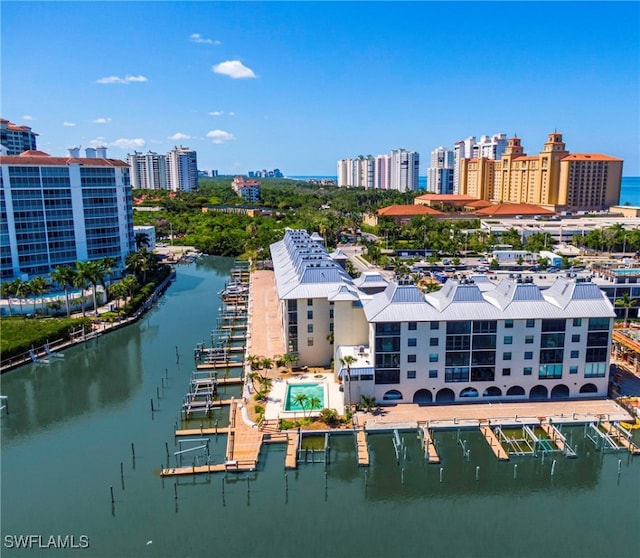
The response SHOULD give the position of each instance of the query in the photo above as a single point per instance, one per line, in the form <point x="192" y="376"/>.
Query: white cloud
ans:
<point x="217" y="113"/>
<point x="179" y="136"/>
<point x="197" y="38"/>
<point x="125" y="80"/>
<point x="101" y="120"/>
<point x="69" y="124"/>
<point x="97" y="142"/>
<point x="220" y="136"/>
<point x="234" y="69"/>
<point x="128" y="143"/>
<point x="28" y="117"/>
<point x="232" y="114"/>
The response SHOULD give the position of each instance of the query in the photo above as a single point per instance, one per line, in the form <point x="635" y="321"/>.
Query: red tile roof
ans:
<point x="589" y="157"/>
<point x="478" y="204"/>
<point x="512" y="209"/>
<point x="446" y="197"/>
<point x="42" y="159"/>
<point x="402" y="210"/>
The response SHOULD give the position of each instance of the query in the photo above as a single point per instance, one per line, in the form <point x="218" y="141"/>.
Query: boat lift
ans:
<point x="529" y="443"/>
<point x="201" y="458"/>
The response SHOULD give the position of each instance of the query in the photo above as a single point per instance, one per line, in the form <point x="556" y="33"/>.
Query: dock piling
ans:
<point x="152" y="406"/>
<point x="515" y="470"/>
<point x="133" y="450"/>
<point x="619" y="466"/>
<point x="441" y="470"/>
<point x="402" y="476"/>
<point x="553" y="468"/>
<point x="477" y="472"/>
<point x="175" y="490"/>
<point x="112" y="500"/>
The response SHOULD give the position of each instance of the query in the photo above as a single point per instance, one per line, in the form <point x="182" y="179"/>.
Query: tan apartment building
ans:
<point x="554" y="177"/>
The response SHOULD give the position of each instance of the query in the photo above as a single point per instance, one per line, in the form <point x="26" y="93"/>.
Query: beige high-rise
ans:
<point x="553" y="178"/>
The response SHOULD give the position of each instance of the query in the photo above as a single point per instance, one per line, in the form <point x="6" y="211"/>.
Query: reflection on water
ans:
<point x="68" y="441"/>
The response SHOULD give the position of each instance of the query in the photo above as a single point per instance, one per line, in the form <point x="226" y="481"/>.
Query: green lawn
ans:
<point x="17" y="334"/>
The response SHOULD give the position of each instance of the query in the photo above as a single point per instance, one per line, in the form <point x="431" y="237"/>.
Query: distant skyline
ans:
<point x="299" y="85"/>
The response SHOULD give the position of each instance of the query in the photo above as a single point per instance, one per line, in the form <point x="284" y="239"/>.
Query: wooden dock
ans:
<point x="202" y="431"/>
<point x="619" y="438"/>
<point x="291" y="459"/>
<point x="362" y="448"/>
<point x="556" y="438"/>
<point x="494" y="443"/>
<point x="429" y="447"/>
<point x="218" y="365"/>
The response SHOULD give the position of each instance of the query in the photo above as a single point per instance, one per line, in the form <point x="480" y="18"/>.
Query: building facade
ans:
<point x="182" y="169"/>
<point x="248" y="190"/>
<point x="16" y="139"/>
<point x="467" y="342"/>
<point x="55" y="211"/>
<point x="554" y="177"/>
<point x="148" y="170"/>
<point x="489" y="147"/>
<point x="440" y="173"/>
<point x="405" y="167"/>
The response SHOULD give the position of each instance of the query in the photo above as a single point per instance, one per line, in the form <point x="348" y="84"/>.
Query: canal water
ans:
<point x="73" y="423"/>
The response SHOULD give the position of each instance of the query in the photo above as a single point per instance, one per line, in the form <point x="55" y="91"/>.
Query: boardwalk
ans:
<point x="362" y="448"/>
<point x="494" y="443"/>
<point x="291" y="459"/>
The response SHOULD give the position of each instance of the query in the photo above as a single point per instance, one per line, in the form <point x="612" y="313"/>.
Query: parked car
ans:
<point x="482" y="269"/>
<point x="552" y="269"/>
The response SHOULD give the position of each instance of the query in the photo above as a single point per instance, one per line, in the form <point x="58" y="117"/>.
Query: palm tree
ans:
<point x="38" y="286"/>
<point x="109" y="265"/>
<point x="314" y="403"/>
<point x="7" y="291"/>
<point x="118" y="291"/>
<point x="301" y="399"/>
<point x="81" y="280"/>
<point x="65" y="278"/>
<point x="22" y="290"/>
<point x="368" y="402"/>
<point x="267" y="364"/>
<point x="142" y="240"/>
<point x="140" y="263"/>
<point x="347" y="361"/>
<point x="289" y="359"/>
<point x="626" y="302"/>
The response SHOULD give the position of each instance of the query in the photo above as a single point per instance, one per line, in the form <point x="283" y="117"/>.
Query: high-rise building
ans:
<point x="16" y="139"/>
<point x="148" y="170"/>
<point x="55" y="211"/>
<point x="440" y="173"/>
<point x="248" y="190"/>
<point x="405" y="166"/>
<point x="182" y="169"/>
<point x="382" y="172"/>
<point x="488" y="147"/>
<point x="554" y="177"/>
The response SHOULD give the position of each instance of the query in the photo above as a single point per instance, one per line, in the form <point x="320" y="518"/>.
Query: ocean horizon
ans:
<point x="629" y="189"/>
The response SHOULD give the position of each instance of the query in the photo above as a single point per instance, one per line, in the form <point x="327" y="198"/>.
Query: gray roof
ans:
<point x="303" y="269"/>
<point x="370" y="279"/>
<point x="508" y="300"/>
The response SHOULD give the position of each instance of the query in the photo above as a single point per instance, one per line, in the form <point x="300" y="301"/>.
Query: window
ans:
<point x="309" y="302"/>
<point x="554" y="325"/>
<point x="577" y="322"/>
<point x="595" y="369"/>
<point x="331" y="313"/>
<point x="573" y="370"/>
<point x="309" y="314"/>
<point x="433" y="373"/>
<point x="456" y="374"/>
<point x="531" y="323"/>
<point x="528" y="339"/>
<point x="527" y="370"/>
<point x="575" y="354"/>
<point x="596" y="324"/>
<point x="309" y="328"/>
<point x="575" y="338"/>
<point x="508" y="324"/>
<point x="508" y="340"/>
<point x="435" y="325"/>
<point x="411" y="374"/>
<point x="433" y="342"/>
<point x="506" y="356"/>
<point x="411" y="358"/>
<point x="458" y="328"/>
<point x="549" y="371"/>
<point x="433" y="357"/>
<point x="413" y="326"/>
<point x="486" y="326"/>
<point x="506" y="371"/>
<point x="309" y="341"/>
<point x="412" y="342"/>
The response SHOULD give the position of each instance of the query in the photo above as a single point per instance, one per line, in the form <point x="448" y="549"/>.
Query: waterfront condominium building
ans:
<point x="356" y="172"/>
<point x="248" y="190"/>
<point x="489" y="147"/>
<point x="440" y="173"/>
<point x="16" y="139"/>
<point x="554" y="177"/>
<point x="382" y="172"/>
<point x="148" y="170"/>
<point x="405" y="166"/>
<point x="182" y="169"/>
<point x="487" y="341"/>
<point x="55" y="211"/>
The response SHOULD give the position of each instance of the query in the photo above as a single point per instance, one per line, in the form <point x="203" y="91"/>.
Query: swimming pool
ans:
<point x="314" y="390"/>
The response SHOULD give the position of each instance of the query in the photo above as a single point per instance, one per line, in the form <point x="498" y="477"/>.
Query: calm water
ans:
<point x="72" y="424"/>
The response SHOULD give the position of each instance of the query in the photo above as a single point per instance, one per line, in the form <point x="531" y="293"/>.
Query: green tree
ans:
<point x="65" y="278"/>
<point x="314" y="403"/>
<point x="7" y="291"/>
<point x="38" y="286"/>
<point x="301" y="399"/>
<point x="626" y="302"/>
<point x="22" y="290"/>
<point x="142" y="240"/>
<point x="347" y="361"/>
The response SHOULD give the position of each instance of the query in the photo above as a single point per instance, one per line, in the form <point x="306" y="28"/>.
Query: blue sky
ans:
<point x="299" y="85"/>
